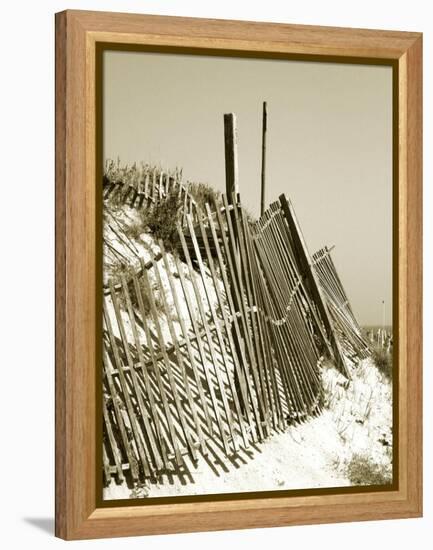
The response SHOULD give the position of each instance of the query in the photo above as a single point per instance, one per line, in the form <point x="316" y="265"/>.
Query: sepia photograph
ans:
<point x="247" y="209"/>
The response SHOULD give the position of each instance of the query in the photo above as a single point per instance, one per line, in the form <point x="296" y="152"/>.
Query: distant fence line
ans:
<point x="380" y="337"/>
<point x="146" y="192"/>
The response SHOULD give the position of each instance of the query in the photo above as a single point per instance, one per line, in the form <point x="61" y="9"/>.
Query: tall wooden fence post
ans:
<point x="232" y="190"/>
<point x="264" y="130"/>
<point x="231" y="155"/>
<point x="232" y="172"/>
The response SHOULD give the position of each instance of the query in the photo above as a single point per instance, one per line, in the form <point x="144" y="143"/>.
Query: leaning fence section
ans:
<point x="345" y="325"/>
<point x="289" y="330"/>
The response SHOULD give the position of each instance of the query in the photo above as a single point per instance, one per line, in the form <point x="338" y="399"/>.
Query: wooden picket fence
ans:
<point x="217" y="347"/>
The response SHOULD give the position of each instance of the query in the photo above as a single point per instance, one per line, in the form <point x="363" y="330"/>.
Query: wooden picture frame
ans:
<point x="78" y="36"/>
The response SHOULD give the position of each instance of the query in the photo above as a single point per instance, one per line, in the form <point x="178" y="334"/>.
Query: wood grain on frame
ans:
<point x="77" y="319"/>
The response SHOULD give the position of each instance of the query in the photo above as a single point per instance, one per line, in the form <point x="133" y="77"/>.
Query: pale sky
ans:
<point x="329" y="145"/>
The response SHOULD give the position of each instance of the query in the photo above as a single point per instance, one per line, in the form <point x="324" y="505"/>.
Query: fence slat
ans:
<point x="114" y="448"/>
